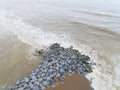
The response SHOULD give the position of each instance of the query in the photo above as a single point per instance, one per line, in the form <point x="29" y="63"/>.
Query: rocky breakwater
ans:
<point x="58" y="62"/>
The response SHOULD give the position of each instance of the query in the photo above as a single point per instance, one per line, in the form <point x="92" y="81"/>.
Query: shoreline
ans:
<point x="58" y="63"/>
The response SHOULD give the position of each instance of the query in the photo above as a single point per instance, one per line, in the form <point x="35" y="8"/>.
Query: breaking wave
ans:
<point x="104" y="76"/>
<point x="29" y="34"/>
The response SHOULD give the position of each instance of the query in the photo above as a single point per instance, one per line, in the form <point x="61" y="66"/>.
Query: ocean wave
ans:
<point x="106" y="73"/>
<point x="95" y="13"/>
<point x="101" y="29"/>
<point x="31" y="35"/>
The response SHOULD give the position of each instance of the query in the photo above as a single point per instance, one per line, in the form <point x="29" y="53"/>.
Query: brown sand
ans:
<point x="73" y="82"/>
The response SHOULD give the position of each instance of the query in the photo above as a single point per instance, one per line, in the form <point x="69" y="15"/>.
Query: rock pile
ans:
<point x="58" y="62"/>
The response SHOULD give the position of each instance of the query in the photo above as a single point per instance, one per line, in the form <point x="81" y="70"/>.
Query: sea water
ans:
<point x="91" y="26"/>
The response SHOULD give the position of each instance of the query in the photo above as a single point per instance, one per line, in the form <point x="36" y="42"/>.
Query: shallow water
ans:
<point x="92" y="27"/>
<point x="73" y="82"/>
<point x="15" y="59"/>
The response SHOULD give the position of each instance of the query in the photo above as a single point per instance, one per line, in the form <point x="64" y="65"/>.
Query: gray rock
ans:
<point x="34" y="78"/>
<point x="48" y="78"/>
<point x="45" y="83"/>
<point x="31" y="85"/>
<point x="37" y="83"/>
<point x="58" y="62"/>
<point x="27" y="89"/>
<point x="35" y="88"/>
<point x="40" y="79"/>
<point x="61" y="79"/>
<point x="37" y="70"/>
<point x="26" y="79"/>
<point x="25" y="85"/>
<point x="42" y="87"/>
<point x="62" y="70"/>
<point x="20" y="88"/>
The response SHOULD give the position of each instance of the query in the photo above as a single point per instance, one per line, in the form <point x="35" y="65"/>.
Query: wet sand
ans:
<point x="73" y="82"/>
<point x="16" y="60"/>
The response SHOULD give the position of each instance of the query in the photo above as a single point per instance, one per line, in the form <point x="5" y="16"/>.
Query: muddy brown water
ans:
<point x="95" y="23"/>
<point x="18" y="60"/>
<point x="73" y="82"/>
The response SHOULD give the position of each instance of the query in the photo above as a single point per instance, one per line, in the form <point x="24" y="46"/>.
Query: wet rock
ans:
<point x="62" y="70"/>
<point x="61" y="79"/>
<point x="20" y="88"/>
<point x="26" y="79"/>
<point x="58" y="62"/>
<point x="45" y="83"/>
<point x="53" y="84"/>
<point x="27" y="89"/>
<point x="35" y="88"/>
<point x="42" y="87"/>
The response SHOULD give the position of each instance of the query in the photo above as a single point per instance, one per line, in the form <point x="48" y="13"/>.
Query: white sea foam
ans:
<point x="106" y="76"/>
<point x="29" y="34"/>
